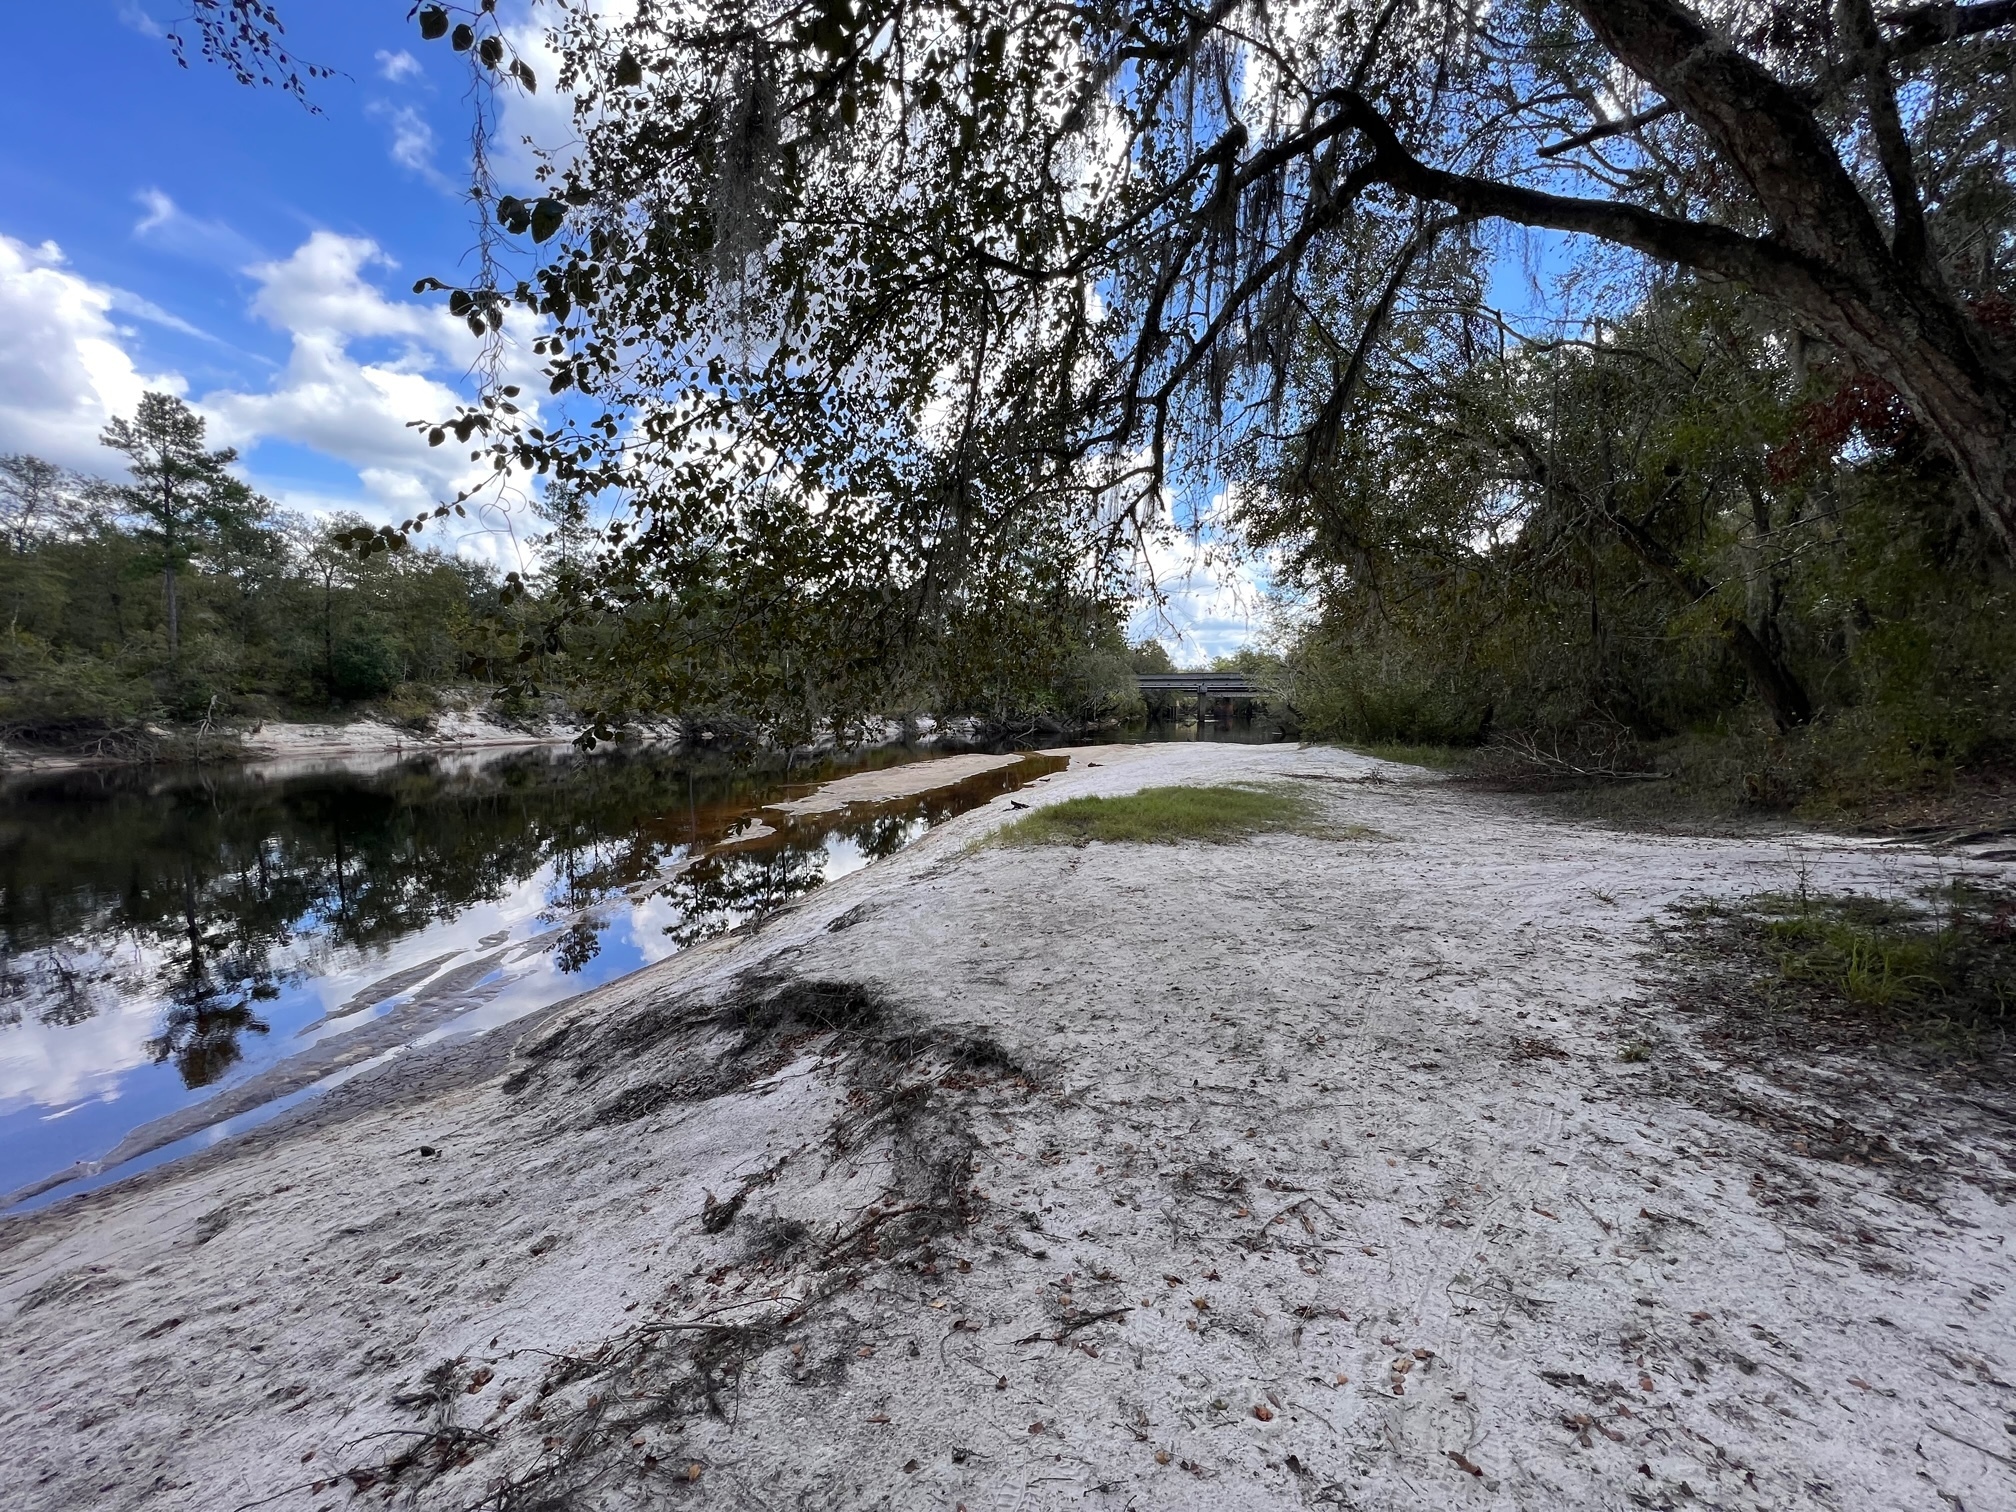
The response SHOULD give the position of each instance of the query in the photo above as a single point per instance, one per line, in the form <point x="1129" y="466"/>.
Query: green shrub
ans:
<point x="363" y="667"/>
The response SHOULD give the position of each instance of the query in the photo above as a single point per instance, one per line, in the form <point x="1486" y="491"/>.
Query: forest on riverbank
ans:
<point x="1684" y="545"/>
<point x="1610" y="418"/>
<point x="179" y="598"/>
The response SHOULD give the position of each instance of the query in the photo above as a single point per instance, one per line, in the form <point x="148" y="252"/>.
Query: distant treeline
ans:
<point x="213" y="603"/>
<point x="181" y="596"/>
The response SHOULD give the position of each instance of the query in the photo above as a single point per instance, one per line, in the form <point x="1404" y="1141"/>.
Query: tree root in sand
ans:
<point x="605" y="1423"/>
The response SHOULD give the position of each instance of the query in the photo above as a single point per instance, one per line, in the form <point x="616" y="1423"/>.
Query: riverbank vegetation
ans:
<point x="181" y="596"/>
<point x="1935" y="972"/>
<point x="1686" y="548"/>
<point x="181" y="599"/>
<point x="1717" y="488"/>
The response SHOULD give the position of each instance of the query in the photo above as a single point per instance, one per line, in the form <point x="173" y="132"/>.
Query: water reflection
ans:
<point x="164" y="938"/>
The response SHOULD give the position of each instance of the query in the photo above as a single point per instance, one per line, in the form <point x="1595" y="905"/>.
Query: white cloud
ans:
<point x="126" y="302"/>
<point x="354" y="409"/>
<point x="160" y="211"/>
<point x="397" y="66"/>
<point x="1214" y="602"/>
<point x="64" y="370"/>
<point x="138" y="19"/>
<point x="168" y="226"/>
<point x="412" y="142"/>
<point x="362" y="365"/>
<point x="543" y="119"/>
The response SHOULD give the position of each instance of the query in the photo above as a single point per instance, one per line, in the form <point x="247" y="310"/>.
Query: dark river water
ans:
<point x="185" y="952"/>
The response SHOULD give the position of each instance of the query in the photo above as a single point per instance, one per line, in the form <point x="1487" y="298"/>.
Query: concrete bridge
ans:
<point x="1205" y="686"/>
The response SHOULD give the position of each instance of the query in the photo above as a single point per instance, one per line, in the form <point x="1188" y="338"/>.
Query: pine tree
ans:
<point x="182" y="494"/>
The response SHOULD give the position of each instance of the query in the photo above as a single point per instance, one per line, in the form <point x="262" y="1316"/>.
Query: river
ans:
<point x="184" y="951"/>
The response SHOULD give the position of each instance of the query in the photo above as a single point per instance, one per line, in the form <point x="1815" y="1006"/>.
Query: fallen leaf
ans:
<point x="880" y="1417"/>
<point x="939" y="1303"/>
<point x="1202" y="1304"/>
<point x="1858" y="1381"/>
<point x="1464" y="1464"/>
<point x="1035" y="1427"/>
<point x="911" y="1468"/>
<point x="1343" y="1379"/>
<point x="1265" y="1414"/>
<point x="692" y="1472"/>
<point x="1162" y="1456"/>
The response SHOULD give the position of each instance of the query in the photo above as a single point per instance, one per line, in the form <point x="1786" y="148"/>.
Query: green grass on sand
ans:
<point x="1166" y="816"/>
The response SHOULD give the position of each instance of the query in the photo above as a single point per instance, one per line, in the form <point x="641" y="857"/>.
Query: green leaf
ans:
<point x="491" y="52"/>
<point x="629" y="72"/>
<point x="464" y="38"/>
<point x="522" y="72"/>
<point x="547" y="217"/>
<point x="433" y="23"/>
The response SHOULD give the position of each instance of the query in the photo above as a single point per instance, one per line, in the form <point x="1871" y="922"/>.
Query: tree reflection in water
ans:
<point x="208" y="895"/>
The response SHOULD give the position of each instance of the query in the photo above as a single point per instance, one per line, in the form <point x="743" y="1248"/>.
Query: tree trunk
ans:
<point x="174" y="614"/>
<point x="1878" y="298"/>
<point x="1782" y="695"/>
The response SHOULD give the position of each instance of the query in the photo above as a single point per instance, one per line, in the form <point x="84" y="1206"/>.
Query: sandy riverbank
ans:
<point x="368" y="742"/>
<point x="1298" y="1172"/>
<point x="286" y="743"/>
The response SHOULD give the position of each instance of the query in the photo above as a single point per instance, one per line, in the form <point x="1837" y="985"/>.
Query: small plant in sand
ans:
<point x="1166" y="816"/>
<point x="1946" y="971"/>
<point x="1957" y="959"/>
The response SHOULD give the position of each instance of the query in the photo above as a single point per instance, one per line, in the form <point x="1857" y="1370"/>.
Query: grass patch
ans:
<point x="1166" y="816"/>
<point x="1944" y="970"/>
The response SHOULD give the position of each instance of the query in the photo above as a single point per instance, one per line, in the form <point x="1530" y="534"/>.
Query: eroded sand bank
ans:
<point x="888" y="784"/>
<point x="1298" y="1172"/>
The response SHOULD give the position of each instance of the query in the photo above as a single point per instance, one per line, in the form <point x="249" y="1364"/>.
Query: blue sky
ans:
<point x="162" y="227"/>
